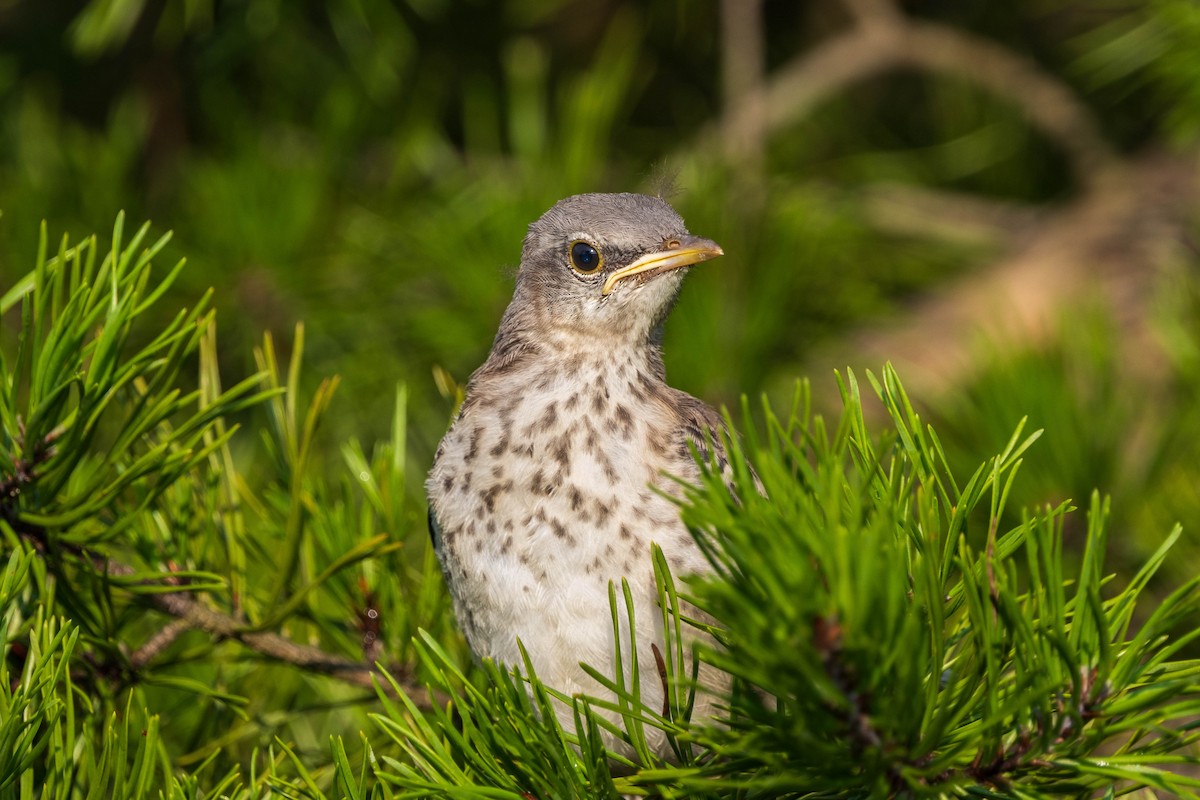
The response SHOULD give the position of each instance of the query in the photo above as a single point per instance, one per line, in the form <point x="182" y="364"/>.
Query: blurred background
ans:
<point x="1001" y="198"/>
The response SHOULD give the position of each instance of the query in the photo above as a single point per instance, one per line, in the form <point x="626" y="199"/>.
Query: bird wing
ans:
<point x="704" y="429"/>
<point x="435" y="532"/>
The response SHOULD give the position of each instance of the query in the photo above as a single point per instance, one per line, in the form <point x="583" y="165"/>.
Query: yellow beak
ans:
<point x="681" y="252"/>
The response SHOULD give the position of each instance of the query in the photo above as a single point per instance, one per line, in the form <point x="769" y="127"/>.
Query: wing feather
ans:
<point x="435" y="532"/>
<point x="706" y="430"/>
<point x="703" y="428"/>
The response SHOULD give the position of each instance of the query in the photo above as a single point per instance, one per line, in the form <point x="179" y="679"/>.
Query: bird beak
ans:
<point x="679" y="252"/>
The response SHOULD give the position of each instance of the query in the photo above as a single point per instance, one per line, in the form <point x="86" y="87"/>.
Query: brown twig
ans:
<point x="868" y="50"/>
<point x="998" y="770"/>
<point x="191" y="613"/>
<point x="950" y="216"/>
<point x="24" y="471"/>
<point x="856" y="716"/>
<point x="195" y="614"/>
<point x="1107" y="246"/>
<point x="1050" y="105"/>
<point x="157" y="643"/>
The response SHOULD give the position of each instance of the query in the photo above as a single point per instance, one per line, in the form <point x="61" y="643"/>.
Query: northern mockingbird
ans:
<point x="547" y="486"/>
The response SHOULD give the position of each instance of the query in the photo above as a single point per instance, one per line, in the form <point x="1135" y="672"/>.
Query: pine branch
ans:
<point x="23" y="472"/>
<point x="902" y="655"/>
<point x="190" y="613"/>
<point x="196" y="615"/>
<point x="153" y="647"/>
<point x="57" y="483"/>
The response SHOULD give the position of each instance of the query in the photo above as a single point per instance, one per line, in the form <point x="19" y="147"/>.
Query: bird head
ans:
<point x="607" y="265"/>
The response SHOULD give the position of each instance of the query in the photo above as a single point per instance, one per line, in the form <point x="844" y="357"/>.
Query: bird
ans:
<point x="561" y="467"/>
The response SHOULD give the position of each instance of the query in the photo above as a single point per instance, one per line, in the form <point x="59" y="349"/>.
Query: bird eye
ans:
<point x="585" y="259"/>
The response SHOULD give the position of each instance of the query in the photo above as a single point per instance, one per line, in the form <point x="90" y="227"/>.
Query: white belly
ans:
<point x="539" y="515"/>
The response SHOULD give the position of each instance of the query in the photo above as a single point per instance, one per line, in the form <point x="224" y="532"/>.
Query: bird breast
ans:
<point x="547" y="488"/>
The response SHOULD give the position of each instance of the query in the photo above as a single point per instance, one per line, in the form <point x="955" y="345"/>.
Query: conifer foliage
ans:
<point x="179" y="624"/>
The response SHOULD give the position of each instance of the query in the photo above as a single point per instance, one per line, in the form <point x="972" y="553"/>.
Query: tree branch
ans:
<point x="874" y="12"/>
<point x="868" y="50"/>
<point x="157" y="643"/>
<point x="1107" y="246"/>
<point x="194" y="614"/>
<point x="190" y="613"/>
<point x="742" y="60"/>
<point x="1050" y="105"/>
<point x="1008" y="762"/>
<point x="950" y="216"/>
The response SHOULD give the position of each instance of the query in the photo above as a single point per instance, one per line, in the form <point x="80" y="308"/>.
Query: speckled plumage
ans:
<point x="546" y="487"/>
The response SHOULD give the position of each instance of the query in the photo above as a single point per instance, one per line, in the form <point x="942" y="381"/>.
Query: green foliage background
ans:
<point x="369" y="168"/>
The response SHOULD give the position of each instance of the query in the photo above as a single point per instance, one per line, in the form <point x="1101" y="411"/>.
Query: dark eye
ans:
<point x="585" y="258"/>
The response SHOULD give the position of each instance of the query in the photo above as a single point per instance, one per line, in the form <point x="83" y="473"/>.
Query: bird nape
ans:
<point x="555" y="478"/>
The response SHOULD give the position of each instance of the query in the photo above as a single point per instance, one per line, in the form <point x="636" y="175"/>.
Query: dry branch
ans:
<point x="874" y="12"/>
<point x="1107" y="246"/>
<point x="191" y="613"/>
<point x="868" y="50"/>
<point x="950" y="216"/>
